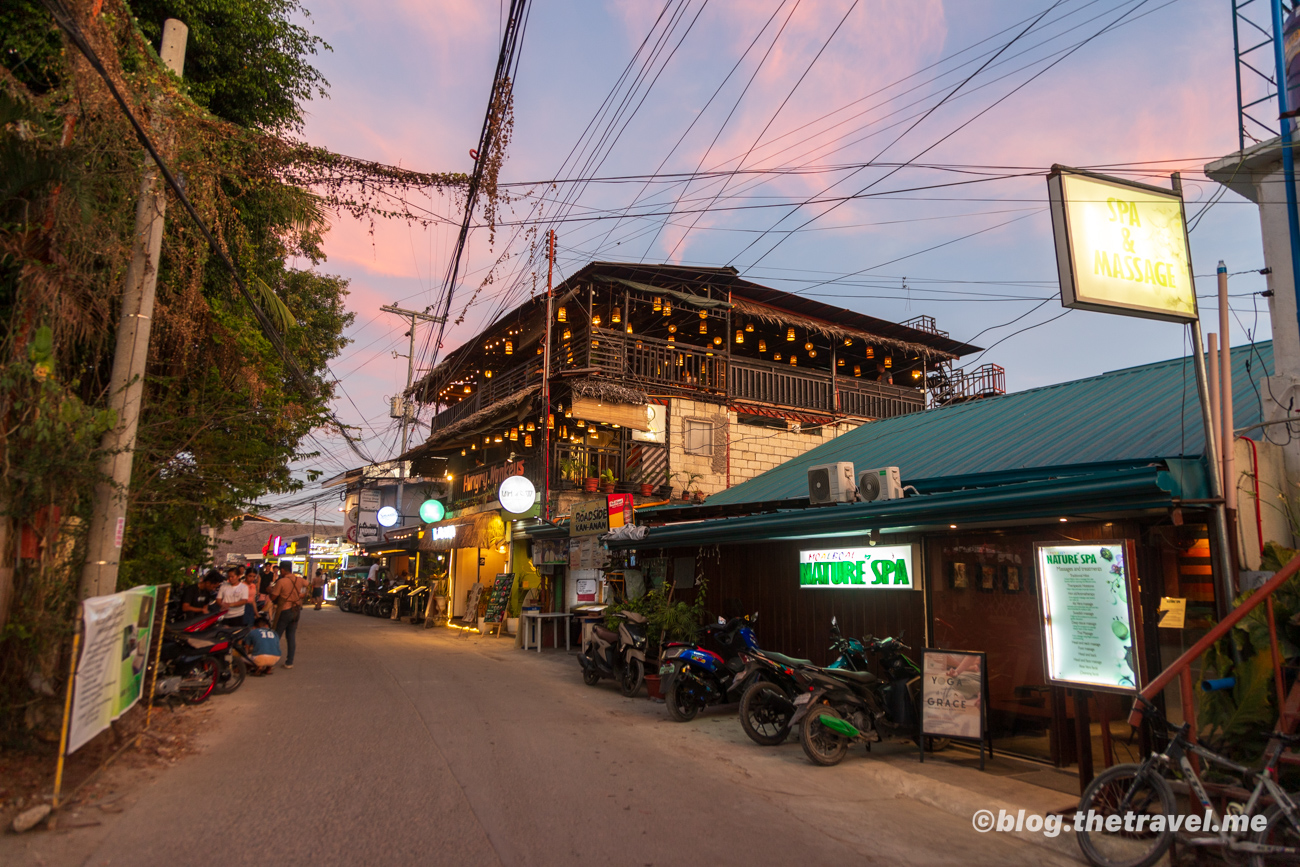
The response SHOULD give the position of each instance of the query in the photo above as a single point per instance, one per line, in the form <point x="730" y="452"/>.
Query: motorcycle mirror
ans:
<point x="835" y="621"/>
<point x="722" y="621"/>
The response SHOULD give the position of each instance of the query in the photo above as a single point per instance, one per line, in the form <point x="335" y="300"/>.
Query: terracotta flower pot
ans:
<point x="591" y="485"/>
<point x="647" y="491"/>
<point x="652" y="686"/>
<point x="608" y="487"/>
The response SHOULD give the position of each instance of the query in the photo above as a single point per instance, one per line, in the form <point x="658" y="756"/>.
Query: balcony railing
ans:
<point x="502" y="384"/>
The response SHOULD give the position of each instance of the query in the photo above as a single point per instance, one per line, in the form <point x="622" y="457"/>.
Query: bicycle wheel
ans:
<point x="1280" y="831"/>
<point x="1139" y="796"/>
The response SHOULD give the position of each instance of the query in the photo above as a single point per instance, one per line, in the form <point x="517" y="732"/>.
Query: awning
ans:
<point x="484" y="530"/>
<point x="684" y="297"/>
<point x="1151" y="487"/>
<point x="801" y="417"/>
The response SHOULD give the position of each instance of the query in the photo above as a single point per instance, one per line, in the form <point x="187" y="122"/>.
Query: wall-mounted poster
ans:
<point x="959" y="579"/>
<point x="1011" y="579"/>
<point x="1087" y="615"/>
<point x="988" y="576"/>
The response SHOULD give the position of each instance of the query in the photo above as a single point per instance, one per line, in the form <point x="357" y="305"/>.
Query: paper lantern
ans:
<point x="595" y="320"/>
<point x="561" y="315"/>
<point x="762" y="346"/>
<point x="789" y="335"/>
<point x="740" y="336"/>
<point x="616" y="317"/>
<point x="658" y="304"/>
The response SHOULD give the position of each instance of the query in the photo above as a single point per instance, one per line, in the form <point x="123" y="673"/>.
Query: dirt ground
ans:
<point x="103" y="771"/>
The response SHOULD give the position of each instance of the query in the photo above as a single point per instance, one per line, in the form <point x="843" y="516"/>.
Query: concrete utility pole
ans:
<point x="126" y="386"/>
<point x="413" y="316"/>
<point x="546" y="381"/>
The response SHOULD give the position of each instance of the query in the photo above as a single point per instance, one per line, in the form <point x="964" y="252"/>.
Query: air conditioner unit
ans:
<point x="882" y="483"/>
<point x="831" y="483"/>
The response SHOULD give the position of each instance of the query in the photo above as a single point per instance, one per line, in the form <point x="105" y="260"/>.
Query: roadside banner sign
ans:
<point x="114" y="655"/>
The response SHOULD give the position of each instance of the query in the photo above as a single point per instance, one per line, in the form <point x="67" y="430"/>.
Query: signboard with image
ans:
<point x="879" y="567"/>
<point x="114" y="656"/>
<point x="1088" y="615"/>
<point x="1121" y="247"/>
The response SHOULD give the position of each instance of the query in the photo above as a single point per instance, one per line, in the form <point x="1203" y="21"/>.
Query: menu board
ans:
<point x="499" y="597"/>
<point x="1087" y="615"/>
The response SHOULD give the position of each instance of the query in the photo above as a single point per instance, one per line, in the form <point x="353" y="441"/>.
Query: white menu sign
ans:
<point x="1087" y="617"/>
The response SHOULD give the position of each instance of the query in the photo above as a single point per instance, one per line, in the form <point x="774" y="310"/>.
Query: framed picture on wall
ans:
<point x="959" y="577"/>
<point x="988" y="577"/>
<point x="1011" y="579"/>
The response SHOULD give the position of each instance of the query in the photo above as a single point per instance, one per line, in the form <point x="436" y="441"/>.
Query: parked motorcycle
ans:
<point x="186" y="669"/>
<point x="618" y="655"/>
<point x="707" y="672"/>
<point x="774" y="680"/>
<point x="846" y="706"/>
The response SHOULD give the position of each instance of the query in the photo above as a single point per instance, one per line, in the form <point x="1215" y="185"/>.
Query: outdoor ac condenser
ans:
<point x="882" y="483"/>
<point x="831" y="483"/>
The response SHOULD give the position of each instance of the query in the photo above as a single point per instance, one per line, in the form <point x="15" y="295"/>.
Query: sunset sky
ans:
<point x="409" y="84"/>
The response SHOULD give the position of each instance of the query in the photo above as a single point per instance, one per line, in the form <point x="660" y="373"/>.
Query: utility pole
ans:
<point x="126" y="385"/>
<point x="413" y="316"/>
<point x="546" y="382"/>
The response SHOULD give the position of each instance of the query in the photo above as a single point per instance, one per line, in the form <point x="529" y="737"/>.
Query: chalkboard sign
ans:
<point x="499" y="598"/>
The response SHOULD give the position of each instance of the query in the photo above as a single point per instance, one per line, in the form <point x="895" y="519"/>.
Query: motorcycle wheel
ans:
<point x="680" y="709"/>
<point x="590" y="676"/>
<point x="633" y="677"/>
<point x="231" y="677"/>
<point x="197" y="683"/>
<point x="765" y="714"/>
<point x="821" y="745"/>
<point x="384" y="609"/>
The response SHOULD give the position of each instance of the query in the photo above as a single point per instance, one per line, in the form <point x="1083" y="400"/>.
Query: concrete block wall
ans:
<point x="753" y="449"/>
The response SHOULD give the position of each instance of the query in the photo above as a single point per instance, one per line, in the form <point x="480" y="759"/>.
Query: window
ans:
<point x="698" y="436"/>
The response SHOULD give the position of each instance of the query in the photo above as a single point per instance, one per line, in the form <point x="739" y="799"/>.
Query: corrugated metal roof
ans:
<point x="1139" y="413"/>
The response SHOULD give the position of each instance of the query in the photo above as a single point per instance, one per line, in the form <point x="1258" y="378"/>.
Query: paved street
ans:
<point x="391" y="744"/>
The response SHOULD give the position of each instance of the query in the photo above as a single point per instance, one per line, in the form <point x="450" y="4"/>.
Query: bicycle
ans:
<point x="1144" y="798"/>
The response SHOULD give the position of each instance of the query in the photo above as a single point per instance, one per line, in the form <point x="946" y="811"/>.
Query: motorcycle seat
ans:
<point x="863" y="677"/>
<point x="785" y="660"/>
<point x="604" y="634"/>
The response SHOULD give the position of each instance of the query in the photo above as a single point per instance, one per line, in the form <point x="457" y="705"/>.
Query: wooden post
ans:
<point x="67" y="713"/>
<point x="157" y="653"/>
<point x="1189" y="711"/>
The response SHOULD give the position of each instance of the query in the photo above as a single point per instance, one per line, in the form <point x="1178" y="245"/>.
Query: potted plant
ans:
<point x="568" y="474"/>
<point x="690" y="491"/>
<point x="667" y="621"/>
<point x="608" y="482"/>
<point x="592" y="483"/>
<point x="647" y="490"/>
<point x="666" y="489"/>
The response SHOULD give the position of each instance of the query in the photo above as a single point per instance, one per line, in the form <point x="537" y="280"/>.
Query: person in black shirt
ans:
<point x="198" y="598"/>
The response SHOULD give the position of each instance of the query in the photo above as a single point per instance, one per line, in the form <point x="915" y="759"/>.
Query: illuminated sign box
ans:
<point x="1121" y="247"/>
<point x="880" y="567"/>
<point x="1088" y="615"/>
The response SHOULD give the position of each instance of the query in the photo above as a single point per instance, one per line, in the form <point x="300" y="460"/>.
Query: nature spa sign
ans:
<point x="1121" y="247"/>
<point x="1087" y="616"/>
<point x="880" y="567"/>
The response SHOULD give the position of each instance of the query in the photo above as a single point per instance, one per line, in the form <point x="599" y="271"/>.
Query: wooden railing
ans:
<point x="501" y="385"/>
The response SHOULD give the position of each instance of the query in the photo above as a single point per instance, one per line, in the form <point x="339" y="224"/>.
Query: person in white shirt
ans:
<point x="232" y="596"/>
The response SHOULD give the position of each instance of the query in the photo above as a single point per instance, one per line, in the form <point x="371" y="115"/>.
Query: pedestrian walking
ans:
<point x="288" y="593"/>
<point x="318" y="587"/>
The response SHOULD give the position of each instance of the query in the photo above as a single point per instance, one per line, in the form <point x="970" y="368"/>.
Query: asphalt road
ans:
<point x="392" y="744"/>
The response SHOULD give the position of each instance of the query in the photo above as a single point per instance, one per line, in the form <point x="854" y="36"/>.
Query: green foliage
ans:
<point x="31" y="46"/>
<point x="1232" y="719"/>
<point x="245" y="61"/>
<point x="665" y="620"/>
<point x="1275" y="557"/>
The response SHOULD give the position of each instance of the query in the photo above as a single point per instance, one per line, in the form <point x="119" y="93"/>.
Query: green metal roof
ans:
<point x="1125" y="417"/>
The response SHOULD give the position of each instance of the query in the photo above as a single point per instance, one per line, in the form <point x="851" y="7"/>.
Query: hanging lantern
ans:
<point x="740" y="336"/>
<point x="564" y="432"/>
<point x="514" y="435"/>
<point x="638" y="344"/>
<point x="629" y="327"/>
<point x="789" y="335"/>
<point x="672" y="339"/>
<point x="595" y="343"/>
<point x="808" y="346"/>
<point x="487" y="439"/>
<point x="467" y="389"/>
<point x="510" y="347"/>
<point x="595" y="320"/>
<point x="794" y="359"/>
<point x="561" y="315"/>
<point x="550" y="420"/>
<point x="704" y="314"/>
<point x="658" y="304"/>
<point x="672" y="329"/>
<point x="487" y="374"/>
<point x="857" y="370"/>
<point x="462" y="453"/>
<point x="749" y="327"/>
<point x="680" y="362"/>
<point x="580" y="423"/>
<point x="704" y="327"/>
<point x="528" y="441"/>
<point x="776" y="356"/>
<point x="717" y="341"/>
<point x="848" y="341"/>
<point x="539" y="350"/>
<point x="531" y="427"/>
<point x="889" y="362"/>
<point x="668" y="308"/>
<point x="616" y="317"/>
<point x="568" y="413"/>
<point x="871" y="352"/>
<point x="762" y="346"/>
<point x="840" y="362"/>
<point x="916" y="374"/>
<point x="812" y="353"/>
<point x="566" y="335"/>
<point x="473" y="447"/>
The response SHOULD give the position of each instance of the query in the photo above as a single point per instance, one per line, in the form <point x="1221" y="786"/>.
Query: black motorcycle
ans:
<point x="618" y="655"/>
<point x="774" y="680"/>
<point x="846" y="706"/>
<point x="187" y="667"/>
<point x="695" y="676"/>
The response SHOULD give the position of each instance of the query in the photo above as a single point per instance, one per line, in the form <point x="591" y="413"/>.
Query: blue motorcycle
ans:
<point x="711" y="671"/>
